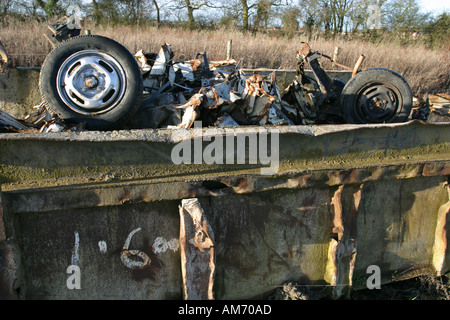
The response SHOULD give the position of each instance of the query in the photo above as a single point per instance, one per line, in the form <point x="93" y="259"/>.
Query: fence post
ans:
<point x="229" y="49"/>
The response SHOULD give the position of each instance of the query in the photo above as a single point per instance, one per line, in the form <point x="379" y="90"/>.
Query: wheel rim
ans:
<point x="377" y="102"/>
<point x="91" y="82"/>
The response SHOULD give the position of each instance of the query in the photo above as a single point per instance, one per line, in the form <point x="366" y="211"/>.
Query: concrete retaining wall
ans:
<point x="19" y="91"/>
<point x="344" y="198"/>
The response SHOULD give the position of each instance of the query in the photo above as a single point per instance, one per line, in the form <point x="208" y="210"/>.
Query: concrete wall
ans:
<point x="344" y="198"/>
<point x="19" y="91"/>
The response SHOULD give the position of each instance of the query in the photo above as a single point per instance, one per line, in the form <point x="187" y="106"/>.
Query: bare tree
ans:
<point x="331" y="15"/>
<point x="290" y="20"/>
<point x="405" y="15"/>
<point x="193" y="5"/>
<point x="263" y="12"/>
<point x="158" y="13"/>
<point x="246" y="6"/>
<point x="5" y="5"/>
<point x="134" y="10"/>
<point x="50" y="7"/>
<point x="339" y="10"/>
<point x="105" y="11"/>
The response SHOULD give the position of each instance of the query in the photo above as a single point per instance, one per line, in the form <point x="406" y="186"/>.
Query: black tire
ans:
<point x="93" y="80"/>
<point x="377" y="96"/>
<point x="338" y="85"/>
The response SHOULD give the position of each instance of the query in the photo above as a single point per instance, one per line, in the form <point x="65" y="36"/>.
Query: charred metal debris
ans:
<point x="61" y="30"/>
<point x="218" y="93"/>
<point x="221" y="94"/>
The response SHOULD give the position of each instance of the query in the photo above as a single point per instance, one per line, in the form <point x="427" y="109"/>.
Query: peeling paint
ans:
<point x="440" y="248"/>
<point x="197" y="252"/>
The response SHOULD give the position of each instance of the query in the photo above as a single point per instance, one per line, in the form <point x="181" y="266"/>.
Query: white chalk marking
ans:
<point x="126" y="253"/>
<point x="102" y="246"/>
<point x="75" y="253"/>
<point x="162" y="245"/>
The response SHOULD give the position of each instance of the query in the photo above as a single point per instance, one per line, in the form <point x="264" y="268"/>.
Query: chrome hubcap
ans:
<point x="91" y="82"/>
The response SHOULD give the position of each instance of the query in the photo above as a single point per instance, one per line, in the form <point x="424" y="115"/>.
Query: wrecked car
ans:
<point x="97" y="82"/>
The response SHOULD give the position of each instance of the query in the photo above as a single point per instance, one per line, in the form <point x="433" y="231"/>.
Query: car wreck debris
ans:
<point x="61" y="30"/>
<point x="213" y="89"/>
<point x="221" y="89"/>
<point x="91" y="83"/>
<point x="38" y="121"/>
<point x="8" y="122"/>
<point x="110" y="88"/>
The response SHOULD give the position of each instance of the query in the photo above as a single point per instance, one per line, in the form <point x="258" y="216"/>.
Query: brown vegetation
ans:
<point x="424" y="69"/>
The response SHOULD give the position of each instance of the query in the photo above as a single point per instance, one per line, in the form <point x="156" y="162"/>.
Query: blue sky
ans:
<point x="438" y="6"/>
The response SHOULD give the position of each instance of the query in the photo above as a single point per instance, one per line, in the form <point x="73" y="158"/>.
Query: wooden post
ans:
<point x="335" y="54"/>
<point x="229" y="49"/>
<point x="197" y="252"/>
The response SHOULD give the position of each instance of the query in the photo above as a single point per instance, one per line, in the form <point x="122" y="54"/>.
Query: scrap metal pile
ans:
<point x="217" y="93"/>
<point x="94" y="83"/>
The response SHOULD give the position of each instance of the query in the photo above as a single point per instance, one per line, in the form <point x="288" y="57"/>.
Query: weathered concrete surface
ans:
<point x="88" y="157"/>
<point x="344" y="198"/>
<point x="48" y="245"/>
<point x="19" y="91"/>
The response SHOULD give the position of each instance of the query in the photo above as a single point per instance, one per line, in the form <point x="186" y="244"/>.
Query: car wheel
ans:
<point x="377" y="96"/>
<point x="92" y="80"/>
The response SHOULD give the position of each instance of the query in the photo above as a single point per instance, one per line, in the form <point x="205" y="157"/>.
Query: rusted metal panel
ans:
<point x="122" y="252"/>
<point x="255" y="252"/>
<point x="441" y="250"/>
<point x="197" y="252"/>
<point x="343" y="249"/>
<point x="396" y="225"/>
<point x="4" y="60"/>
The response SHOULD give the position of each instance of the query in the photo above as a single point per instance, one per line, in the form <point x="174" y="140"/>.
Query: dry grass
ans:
<point x="424" y="69"/>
